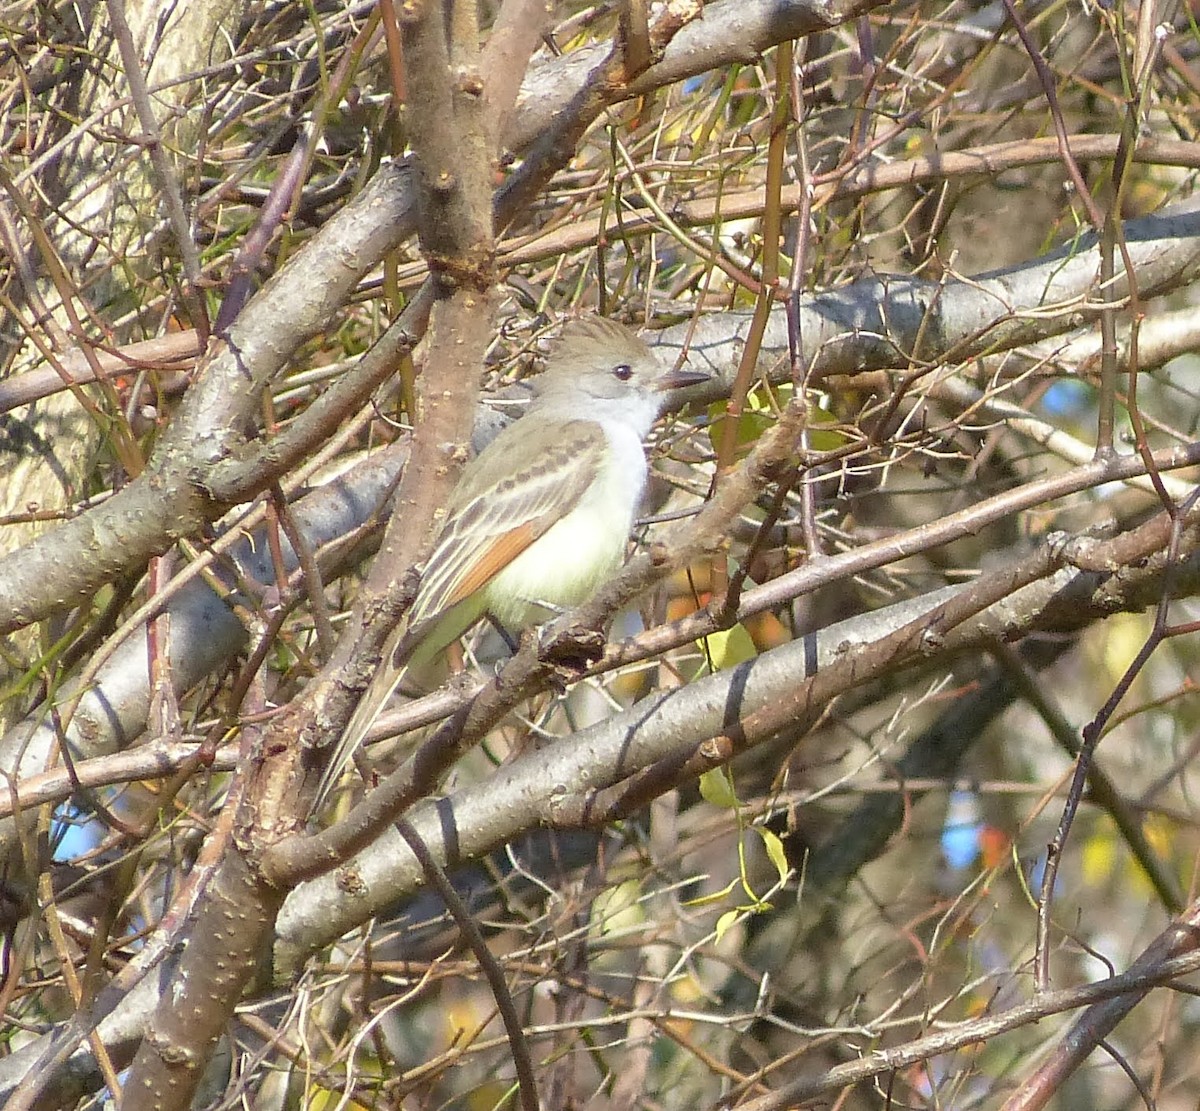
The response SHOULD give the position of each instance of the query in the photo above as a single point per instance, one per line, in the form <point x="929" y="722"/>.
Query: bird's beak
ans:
<point x="677" y="379"/>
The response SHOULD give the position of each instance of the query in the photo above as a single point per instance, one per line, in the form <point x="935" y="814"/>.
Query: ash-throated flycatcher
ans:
<point x="542" y="516"/>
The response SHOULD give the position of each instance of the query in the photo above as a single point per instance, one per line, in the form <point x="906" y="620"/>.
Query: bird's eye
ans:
<point x="622" y="372"/>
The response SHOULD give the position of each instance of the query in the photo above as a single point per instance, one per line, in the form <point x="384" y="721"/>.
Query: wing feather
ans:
<point x="490" y="523"/>
<point x="491" y="561"/>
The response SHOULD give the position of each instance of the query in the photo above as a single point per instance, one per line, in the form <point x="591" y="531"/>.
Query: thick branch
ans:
<point x="739" y="707"/>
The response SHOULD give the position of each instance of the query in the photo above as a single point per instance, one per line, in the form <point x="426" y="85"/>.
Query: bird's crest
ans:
<point x="582" y="336"/>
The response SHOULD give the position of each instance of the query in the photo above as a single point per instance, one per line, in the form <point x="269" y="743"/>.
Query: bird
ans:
<point x="541" y="516"/>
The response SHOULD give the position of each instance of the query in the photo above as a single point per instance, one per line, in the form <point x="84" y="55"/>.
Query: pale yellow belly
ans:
<point x="561" y="568"/>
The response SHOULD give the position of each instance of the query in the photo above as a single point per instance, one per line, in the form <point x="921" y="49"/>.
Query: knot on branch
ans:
<point x="573" y="650"/>
<point x="1086" y="553"/>
<point x="470" y="82"/>
<point x="475" y="269"/>
<point x="676" y="15"/>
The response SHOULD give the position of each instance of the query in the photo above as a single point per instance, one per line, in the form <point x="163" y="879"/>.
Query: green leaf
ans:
<point x="823" y="439"/>
<point x="750" y="426"/>
<point x="716" y="787"/>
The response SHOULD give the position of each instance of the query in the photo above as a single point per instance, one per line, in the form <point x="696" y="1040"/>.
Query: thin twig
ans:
<point x="522" y="1062"/>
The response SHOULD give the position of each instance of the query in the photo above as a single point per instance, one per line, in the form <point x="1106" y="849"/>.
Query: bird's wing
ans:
<point x="492" y="522"/>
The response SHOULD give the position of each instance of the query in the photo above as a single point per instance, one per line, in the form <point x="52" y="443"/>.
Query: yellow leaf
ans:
<point x="775" y="851"/>
<point x="322" y="1099"/>
<point x="726" y="922"/>
<point x="1098" y="858"/>
<point x="729" y="648"/>
<point x="1125" y="634"/>
<point x="770" y="398"/>
<point x="617" y="908"/>
<point x="712" y="897"/>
